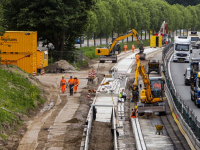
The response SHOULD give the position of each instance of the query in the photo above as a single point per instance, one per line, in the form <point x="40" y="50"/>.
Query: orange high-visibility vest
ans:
<point x="76" y="82"/>
<point x="71" y="81"/>
<point x="63" y="81"/>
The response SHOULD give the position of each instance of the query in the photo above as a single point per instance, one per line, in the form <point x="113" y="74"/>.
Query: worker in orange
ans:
<point x="134" y="113"/>
<point x="71" y="85"/>
<point x="137" y="58"/>
<point x="76" y="83"/>
<point x="133" y="48"/>
<point x="63" y="84"/>
<point x="125" y="48"/>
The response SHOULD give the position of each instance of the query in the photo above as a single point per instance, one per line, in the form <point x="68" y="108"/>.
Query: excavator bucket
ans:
<point x="142" y="56"/>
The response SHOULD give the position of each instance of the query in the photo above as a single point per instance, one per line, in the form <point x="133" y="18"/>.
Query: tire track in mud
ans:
<point x="44" y="132"/>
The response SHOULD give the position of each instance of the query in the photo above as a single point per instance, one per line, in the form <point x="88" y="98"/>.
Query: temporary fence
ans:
<point x="186" y="117"/>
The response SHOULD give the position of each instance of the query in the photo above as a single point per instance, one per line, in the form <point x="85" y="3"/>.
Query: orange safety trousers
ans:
<point x="63" y="88"/>
<point x="63" y="81"/>
<point x="76" y="83"/>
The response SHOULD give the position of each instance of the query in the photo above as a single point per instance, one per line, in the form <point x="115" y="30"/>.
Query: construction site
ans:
<point x="123" y="100"/>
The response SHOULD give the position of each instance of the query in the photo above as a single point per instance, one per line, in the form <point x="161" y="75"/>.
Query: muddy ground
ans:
<point x="101" y="137"/>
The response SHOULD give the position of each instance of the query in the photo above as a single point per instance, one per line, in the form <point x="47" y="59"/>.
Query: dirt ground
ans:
<point x="38" y="131"/>
<point x="101" y="137"/>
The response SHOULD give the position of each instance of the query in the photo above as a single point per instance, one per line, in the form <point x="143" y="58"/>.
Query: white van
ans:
<point x="182" y="49"/>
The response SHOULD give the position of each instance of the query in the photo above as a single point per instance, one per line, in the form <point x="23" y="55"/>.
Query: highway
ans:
<point x="177" y="70"/>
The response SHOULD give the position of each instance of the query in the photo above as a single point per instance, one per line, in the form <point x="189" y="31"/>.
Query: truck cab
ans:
<point x="182" y="49"/>
<point x="194" y="40"/>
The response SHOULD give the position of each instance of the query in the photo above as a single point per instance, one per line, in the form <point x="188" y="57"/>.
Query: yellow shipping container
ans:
<point x="20" y="48"/>
<point x="42" y="57"/>
<point x="156" y="41"/>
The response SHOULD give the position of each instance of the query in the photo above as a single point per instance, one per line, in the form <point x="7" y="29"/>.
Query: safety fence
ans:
<point x="185" y="117"/>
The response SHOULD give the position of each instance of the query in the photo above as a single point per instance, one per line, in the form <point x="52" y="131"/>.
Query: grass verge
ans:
<point x="17" y="97"/>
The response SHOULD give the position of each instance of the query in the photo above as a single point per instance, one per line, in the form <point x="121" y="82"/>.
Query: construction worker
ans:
<point x="125" y="48"/>
<point x="122" y="94"/>
<point x="137" y="58"/>
<point x="71" y="85"/>
<point x="76" y="83"/>
<point x="134" y="113"/>
<point x="63" y="84"/>
<point x="133" y="48"/>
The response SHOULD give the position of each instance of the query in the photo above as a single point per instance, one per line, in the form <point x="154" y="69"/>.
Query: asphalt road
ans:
<point x="177" y="71"/>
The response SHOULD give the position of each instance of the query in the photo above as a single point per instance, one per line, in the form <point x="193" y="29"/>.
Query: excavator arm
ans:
<point x="147" y="85"/>
<point x="127" y="34"/>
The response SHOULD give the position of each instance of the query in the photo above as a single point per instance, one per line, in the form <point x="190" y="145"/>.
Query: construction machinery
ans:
<point x="163" y="32"/>
<point x="152" y="95"/>
<point x="110" y="54"/>
<point x="153" y="66"/>
<point x="195" y="81"/>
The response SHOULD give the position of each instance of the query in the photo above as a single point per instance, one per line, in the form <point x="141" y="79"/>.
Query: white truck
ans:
<point x="182" y="49"/>
<point x="194" y="39"/>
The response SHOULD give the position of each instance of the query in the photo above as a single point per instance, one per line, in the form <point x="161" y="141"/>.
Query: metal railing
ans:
<point x="185" y="115"/>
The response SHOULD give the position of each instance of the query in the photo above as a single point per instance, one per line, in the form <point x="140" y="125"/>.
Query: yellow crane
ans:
<point x="152" y="95"/>
<point x="111" y="53"/>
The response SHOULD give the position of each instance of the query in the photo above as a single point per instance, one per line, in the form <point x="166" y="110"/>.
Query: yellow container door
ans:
<point x="160" y="41"/>
<point x="153" y="41"/>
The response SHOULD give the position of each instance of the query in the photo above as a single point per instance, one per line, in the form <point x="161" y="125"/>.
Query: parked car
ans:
<point x="187" y="76"/>
<point x="80" y="40"/>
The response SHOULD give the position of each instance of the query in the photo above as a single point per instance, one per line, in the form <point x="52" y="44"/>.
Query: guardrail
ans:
<point x="184" y="116"/>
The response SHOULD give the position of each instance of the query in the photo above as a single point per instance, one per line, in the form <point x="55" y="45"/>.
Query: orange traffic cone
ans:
<point x="88" y="96"/>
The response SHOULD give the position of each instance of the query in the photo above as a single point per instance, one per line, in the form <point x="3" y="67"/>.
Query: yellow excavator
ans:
<point x="152" y="95"/>
<point x="110" y="54"/>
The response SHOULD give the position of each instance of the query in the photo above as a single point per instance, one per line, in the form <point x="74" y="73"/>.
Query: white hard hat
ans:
<point x="75" y="76"/>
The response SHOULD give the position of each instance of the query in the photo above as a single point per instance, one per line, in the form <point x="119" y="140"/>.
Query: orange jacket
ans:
<point x="76" y="82"/>
<point x="62" y="81"/>
<point x="71" y="81"/>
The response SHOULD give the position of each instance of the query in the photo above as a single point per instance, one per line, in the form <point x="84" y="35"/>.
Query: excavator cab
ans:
<point x="157" y="87"/>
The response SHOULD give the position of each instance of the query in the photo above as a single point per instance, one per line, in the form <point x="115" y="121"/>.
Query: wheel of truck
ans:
<point x="102" y="61"/>
<point x="114" y="61"/>
<point x="192" y="97"/>
<point x="198" y="105"/>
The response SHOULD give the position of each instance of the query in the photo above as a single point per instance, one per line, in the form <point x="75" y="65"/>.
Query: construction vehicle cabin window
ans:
<point x="182" y="47"/>
<point x="156" y="88"/>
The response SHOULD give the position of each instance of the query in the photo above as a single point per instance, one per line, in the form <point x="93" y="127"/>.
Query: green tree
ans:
<point x="193" y="16"/>
<point x="58" y="21"/>
<point x="92" y="23"/>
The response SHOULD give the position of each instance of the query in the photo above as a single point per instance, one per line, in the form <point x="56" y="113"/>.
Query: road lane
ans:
<point x="177" y="70"/>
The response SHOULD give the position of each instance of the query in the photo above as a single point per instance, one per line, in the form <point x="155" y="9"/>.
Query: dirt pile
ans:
<point x="59" y="67"/>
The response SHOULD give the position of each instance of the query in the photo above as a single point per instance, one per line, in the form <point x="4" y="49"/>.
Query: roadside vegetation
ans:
<point x="17" y="98"/>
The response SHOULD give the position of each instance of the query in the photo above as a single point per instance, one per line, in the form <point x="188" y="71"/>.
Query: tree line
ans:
<point x="122" y="15"/>
<point x="61" y="22"/>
